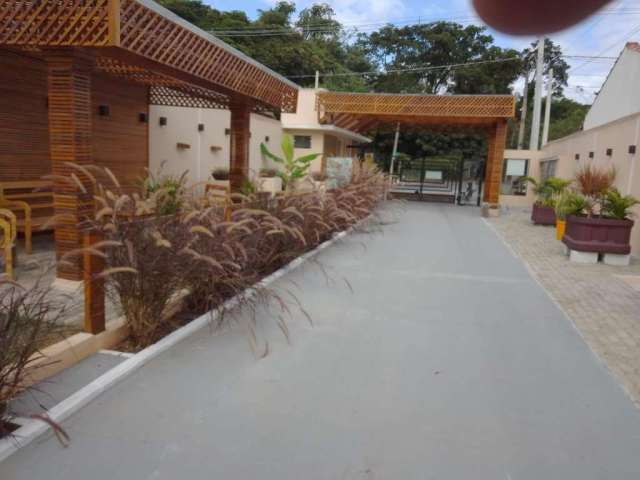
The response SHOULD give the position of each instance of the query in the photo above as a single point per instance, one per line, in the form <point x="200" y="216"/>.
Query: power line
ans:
<point x="429" y="67"/>
<point x="409" y="69"/>
<point x="330" y="26"/>
<point x="628" y="35"/>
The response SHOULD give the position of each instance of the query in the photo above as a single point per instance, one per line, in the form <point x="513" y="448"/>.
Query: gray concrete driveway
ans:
<point x="446" y="362"/>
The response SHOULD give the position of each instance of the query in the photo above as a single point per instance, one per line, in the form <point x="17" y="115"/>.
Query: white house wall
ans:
<point x="617" y="136"/>
<point x="200" y="158"/>
<point x="317" y="146"/>
<point x="620" y="94"/>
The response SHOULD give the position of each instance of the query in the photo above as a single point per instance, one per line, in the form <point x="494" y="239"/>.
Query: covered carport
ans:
<point x="484" y="114"/>
<point x="77" y="76"/>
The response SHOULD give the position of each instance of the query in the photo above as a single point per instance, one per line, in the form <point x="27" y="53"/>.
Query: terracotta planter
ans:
<point x="541" y="215"/>
<point x="560" y="228"/>
<point x="601" y="235"/>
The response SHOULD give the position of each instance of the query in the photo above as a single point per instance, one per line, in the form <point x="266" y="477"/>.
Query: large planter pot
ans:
<point x="601" y="235"/>
<point x="561" y="226"/>
<point x="270" y="184"/>
<point x="542" y="215"/>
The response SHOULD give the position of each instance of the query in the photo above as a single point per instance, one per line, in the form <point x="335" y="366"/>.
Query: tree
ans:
<point x="296" y="50"/>
<point x="318" y="23"/>
<point x="567" y="117"/>
<point x="552" y="59"/>
<point x="423" y="48"/>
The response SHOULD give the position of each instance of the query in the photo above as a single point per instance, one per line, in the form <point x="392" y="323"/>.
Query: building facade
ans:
<point x="610" y="139"/>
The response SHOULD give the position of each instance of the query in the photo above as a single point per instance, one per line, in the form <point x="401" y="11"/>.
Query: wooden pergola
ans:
<point x="485" y="114"/>
<point x="144" y="44"/>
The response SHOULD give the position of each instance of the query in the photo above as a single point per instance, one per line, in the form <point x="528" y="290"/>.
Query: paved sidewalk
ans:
<point x="604" y="307"/>
<point x="447" y="361"/>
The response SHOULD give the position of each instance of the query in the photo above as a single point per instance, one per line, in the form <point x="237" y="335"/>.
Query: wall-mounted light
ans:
<point x="632" y="149"/>
<point x="591" y="154"/>
<point x="227" y="131"/>
<point x="609" y="152"/>
<point x="104" y="110"/>
<point x="577" y="156"/>
<point x="266" y="139"/>
<point x="201" y="127"/>
<point x="143" y="117"/>
<point x="162" y="121"/>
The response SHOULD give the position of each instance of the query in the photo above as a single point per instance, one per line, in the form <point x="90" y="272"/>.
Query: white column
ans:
<point x="547" y="109"/>
<point x="534" y="143"/>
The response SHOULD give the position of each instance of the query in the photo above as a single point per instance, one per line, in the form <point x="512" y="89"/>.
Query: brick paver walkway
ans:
<point x="599" y="299"/>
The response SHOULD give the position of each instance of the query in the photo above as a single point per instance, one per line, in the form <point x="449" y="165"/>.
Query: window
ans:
<point x="548" y="169"/>
<point x="302" y="141"/>
<point x="513" y="171"/>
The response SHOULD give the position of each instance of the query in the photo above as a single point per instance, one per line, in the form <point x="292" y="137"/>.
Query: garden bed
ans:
<point x="24" y="435"/>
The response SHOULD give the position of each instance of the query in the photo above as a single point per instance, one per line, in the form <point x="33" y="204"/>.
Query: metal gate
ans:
<point x="440" y="179"/>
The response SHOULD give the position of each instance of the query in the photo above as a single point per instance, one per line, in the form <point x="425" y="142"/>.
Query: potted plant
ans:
<point x="568" y="203"/>
<point x="294" y="169"/>
<point x="220" y="174"/>
<point x="603" y="225"/>
<point x="269" y="181"/>
<point x="318" y="180"/>
<point x="547" y="192"/>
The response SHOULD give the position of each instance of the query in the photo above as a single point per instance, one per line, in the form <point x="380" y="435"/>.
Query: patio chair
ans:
<point x="7" y="240"/>
<point x="33" y="200"/>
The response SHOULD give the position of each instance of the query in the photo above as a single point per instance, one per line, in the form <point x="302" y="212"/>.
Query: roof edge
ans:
<point x="168" y="14"/>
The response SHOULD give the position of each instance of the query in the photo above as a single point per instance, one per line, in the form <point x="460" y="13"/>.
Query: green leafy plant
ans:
<point x="594" y="183"/>
<point x="293" y="168"/>
<point x="549" y="190"/>
<point x="570" y="202"/>
<point x="248" y="187"/>
<point x="616" y="205"/>
<point x="167" y="191"/>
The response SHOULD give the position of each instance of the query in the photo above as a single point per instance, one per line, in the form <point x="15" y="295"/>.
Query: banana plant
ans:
<point x="292" y="168"/>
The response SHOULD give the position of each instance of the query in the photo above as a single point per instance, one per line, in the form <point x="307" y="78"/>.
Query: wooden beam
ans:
<point x="495" y="158"/>
<point x="240" y="135"/>
<point x="69" y="90"/>
<point x="114" y="23"/>
<point x="94" y="304"/>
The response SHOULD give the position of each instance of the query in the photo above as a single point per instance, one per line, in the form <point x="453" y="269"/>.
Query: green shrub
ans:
<point x="570" y="202"/>
<point x="548" y="191"/>
<point x="294" y="168"/>
<point x="616" y="205"/>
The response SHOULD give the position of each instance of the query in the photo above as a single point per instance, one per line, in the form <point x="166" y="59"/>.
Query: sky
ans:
<point x="603" y="34"/>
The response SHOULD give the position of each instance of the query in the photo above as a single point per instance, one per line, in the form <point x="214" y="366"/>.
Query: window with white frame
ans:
<point x="302" y="141"/>
<point x="548" y="168"/>
<point x="513" y="172"/>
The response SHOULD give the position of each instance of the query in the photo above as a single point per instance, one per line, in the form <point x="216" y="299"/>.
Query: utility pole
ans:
<point x="547" y="109"/>
<point x="395" y="149"/>
<point x="317" y="79"/>
<point x="393" y="158"/>
<point x="523" y="111"/>
<point x="534" y="144"/>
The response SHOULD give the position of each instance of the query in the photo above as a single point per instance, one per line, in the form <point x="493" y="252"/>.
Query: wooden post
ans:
<point x="495" y="158"/>
<point x="240" y="136"/>
<point x="94" y="302"/>
<point x="114" y="23"/>
<point x="69" y="89"/>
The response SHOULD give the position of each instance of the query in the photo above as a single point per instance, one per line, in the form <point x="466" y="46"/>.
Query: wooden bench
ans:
<point x="8" y="231"/>
<point x="31" y="201"/>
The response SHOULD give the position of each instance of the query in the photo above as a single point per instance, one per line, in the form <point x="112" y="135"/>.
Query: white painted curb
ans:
<point x="34" y="428"/>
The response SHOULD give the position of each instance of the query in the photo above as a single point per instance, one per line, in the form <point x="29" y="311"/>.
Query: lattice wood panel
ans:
<point x="148" y="33"/>
<point x="143" y="28"/>
<point x="168" y="91"/>
<point x="500" y="106"/>
<point x="54" y="23"/>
